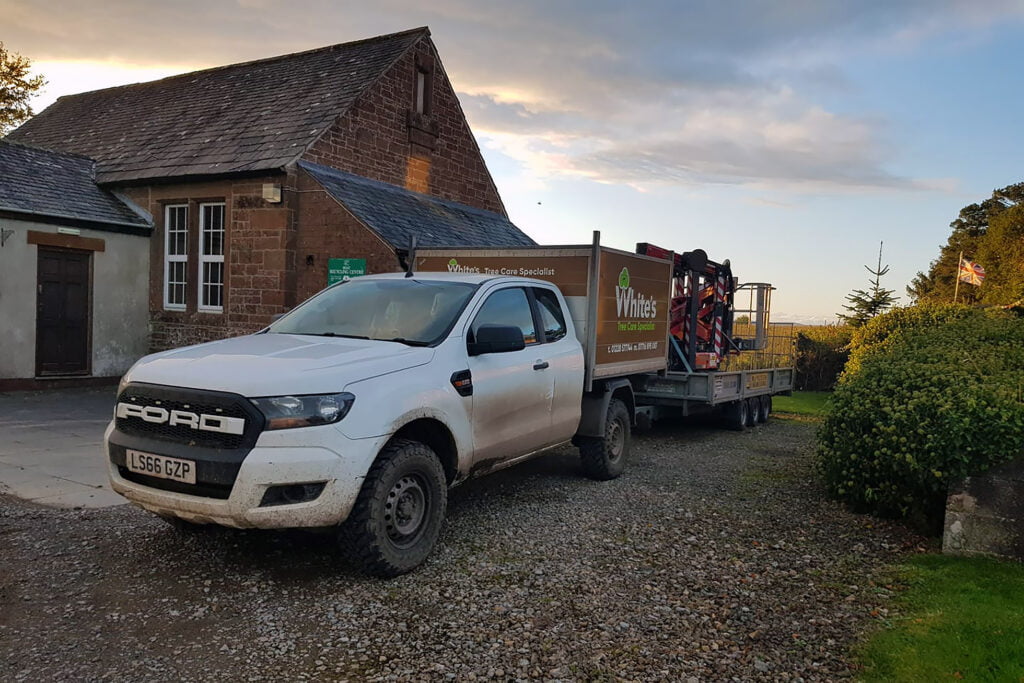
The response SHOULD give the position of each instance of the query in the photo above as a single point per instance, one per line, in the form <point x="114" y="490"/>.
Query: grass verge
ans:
<point x="807" y="404"/>
<point x="960" y="619"/>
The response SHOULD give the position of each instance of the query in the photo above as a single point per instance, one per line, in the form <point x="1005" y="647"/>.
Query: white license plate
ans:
<point x="161" y="466"/>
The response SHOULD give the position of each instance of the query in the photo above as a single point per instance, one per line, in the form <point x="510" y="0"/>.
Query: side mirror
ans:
<point x="496" y="339"/>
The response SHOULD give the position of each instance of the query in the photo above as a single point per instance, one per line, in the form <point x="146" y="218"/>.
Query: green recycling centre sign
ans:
<point x="339" y="269"/>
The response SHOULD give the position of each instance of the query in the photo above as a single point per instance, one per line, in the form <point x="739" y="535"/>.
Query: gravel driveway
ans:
<point x="715" y="557"/>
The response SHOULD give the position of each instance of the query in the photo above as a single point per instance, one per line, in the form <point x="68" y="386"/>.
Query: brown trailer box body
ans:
<point x="619" y="301"/>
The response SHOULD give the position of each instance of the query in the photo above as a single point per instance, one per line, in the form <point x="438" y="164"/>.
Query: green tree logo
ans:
<point x="453" y="262"/>
<point x="624" y="278"/>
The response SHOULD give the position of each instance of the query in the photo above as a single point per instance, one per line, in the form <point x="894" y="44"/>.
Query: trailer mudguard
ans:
<point x="595" y="405"/>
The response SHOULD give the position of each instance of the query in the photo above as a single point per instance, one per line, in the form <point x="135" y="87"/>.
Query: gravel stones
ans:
<point x="715" y="557"/>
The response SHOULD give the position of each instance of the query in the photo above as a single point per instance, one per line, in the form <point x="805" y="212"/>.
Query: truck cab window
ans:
<point x="551" y="317"/>
<point x="507" y="307"/>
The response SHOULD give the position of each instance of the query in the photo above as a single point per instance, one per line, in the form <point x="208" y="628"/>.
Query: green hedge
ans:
<point x="938" y="399"/>
<point x="882" y="331"/>
<point x="821" y="353"/>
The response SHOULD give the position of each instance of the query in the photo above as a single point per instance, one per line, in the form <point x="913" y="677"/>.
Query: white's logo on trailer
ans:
<point x="454" y="267"/>
<point x="631" y="304"/>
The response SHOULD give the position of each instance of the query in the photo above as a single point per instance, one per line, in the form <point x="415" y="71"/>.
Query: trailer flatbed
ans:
<point x="683" y="389"/>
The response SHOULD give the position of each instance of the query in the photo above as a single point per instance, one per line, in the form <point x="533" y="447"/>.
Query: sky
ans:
<point x="791" y="137"/>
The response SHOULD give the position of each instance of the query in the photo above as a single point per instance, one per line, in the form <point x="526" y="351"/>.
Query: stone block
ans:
<point x="985" y="514"/>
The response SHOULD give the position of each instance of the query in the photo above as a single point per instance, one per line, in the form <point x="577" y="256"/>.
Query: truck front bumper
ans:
<point x="324" y="456"/>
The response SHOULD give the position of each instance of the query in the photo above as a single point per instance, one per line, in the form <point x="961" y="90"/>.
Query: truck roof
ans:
<point x="470" y="278"/>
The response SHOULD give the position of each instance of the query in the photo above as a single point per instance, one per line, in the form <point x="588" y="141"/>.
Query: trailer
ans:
<point x="686" y="333"/>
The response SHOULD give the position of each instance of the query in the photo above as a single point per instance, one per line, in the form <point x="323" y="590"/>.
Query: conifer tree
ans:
<point x="865" y="305"/>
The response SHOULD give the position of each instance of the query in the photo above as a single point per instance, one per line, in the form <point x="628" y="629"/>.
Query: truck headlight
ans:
<point x="288" y="412"/>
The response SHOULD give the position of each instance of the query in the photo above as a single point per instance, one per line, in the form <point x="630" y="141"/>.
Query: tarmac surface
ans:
<point x="51" y="447"/>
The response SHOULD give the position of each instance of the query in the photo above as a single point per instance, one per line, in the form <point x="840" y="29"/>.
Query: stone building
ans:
<point x="255" y="175"/>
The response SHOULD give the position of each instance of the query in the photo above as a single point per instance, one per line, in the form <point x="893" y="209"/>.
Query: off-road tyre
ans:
<point x="737" y="415"/>
<point x="397" y="517"/>
<point x="605" y="458"/>
<point x="766" y="407"/>
<point x="754" y="410"/>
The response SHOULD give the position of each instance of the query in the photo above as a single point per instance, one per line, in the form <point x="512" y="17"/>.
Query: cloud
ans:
<point x="643" y="93"/>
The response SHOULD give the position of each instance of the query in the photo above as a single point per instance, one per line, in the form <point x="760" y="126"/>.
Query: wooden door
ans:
<point x="62" y="312"/>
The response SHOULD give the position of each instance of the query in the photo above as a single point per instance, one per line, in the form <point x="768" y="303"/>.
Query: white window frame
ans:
<point x="205" y="258"/>
<point x="174" y="258"/>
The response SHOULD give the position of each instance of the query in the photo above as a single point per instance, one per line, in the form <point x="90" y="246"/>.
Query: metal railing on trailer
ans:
<point x="764" y="369"/>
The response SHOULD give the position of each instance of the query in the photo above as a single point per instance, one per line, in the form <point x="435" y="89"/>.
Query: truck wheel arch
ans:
<point x="595" y="406"/>
<point x="436" y="435"/>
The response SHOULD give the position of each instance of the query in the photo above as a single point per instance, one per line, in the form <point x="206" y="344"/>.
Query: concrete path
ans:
<point x="51" y="446"/>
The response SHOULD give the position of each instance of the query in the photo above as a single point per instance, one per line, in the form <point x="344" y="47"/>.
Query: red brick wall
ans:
<point x="259" y="259"/>
<point x="327" y="231"/>
<point x="373" y="138"/>
<point x="268" y="245"/>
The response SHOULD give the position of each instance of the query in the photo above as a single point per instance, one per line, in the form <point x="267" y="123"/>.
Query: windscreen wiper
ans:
<point x="407" y="342"/>
<point x="334" y="334"/>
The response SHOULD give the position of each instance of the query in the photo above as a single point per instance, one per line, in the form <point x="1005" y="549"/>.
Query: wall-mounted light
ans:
<point x="272" y="193"/>
<point x="310" y="260"/>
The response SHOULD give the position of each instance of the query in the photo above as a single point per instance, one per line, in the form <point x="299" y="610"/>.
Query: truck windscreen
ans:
<point x="410" y="311"/>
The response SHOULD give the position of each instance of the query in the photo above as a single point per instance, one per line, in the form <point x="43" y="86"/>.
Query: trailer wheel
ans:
<point x="605" y="458"/>
<point x="766" y="407"/>
<point x="754" y="410"/>
<point x="397" y="517"/>
<point x="737" y="415"/>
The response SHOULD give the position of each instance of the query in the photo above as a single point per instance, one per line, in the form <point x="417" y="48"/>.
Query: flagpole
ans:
<point x="956" y="287"/>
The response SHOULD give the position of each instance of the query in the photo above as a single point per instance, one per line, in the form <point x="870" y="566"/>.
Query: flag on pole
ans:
<point x="971" y="273"/>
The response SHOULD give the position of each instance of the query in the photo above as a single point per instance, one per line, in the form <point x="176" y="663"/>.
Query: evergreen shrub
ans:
<point x="821" y="353"/>
<point x="937" y="399"/>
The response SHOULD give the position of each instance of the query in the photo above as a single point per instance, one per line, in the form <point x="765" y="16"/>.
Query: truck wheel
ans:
<point x="766" y="407"/>
<point x="754" y="410"/>
<point x="397" y="517"/>
<point x="737" y="415"/>
<point x="605" y="458"/>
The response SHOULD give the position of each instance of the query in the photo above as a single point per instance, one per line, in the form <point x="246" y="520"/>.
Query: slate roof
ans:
<point x="253" y="116"/>
<point x="50" y="184"/>
<point x="396" y="214"/>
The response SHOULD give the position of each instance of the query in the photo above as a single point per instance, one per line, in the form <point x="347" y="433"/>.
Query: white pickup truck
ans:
<point x="360" y="408"/>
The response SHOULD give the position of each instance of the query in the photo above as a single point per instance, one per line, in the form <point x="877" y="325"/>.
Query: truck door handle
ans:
<point x="540" y="365"/>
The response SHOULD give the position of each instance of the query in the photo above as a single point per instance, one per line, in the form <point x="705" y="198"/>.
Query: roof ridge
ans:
<point x="263" y="60"/>
<point x="392" y="187"/>
<point x="37" y="148"/>
<point x="395" y="213"/>
<point x="43" y="182"/>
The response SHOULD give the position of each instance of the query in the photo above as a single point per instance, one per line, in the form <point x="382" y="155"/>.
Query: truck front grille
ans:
<point x="190" y="401"/>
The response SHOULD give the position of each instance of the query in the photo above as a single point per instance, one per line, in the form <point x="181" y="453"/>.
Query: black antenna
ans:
<point x="410" y="259"/>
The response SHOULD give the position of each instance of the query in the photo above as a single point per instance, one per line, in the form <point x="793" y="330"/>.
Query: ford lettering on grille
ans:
<point x="184" y="418"/>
